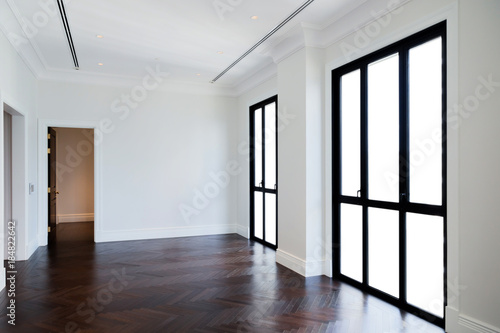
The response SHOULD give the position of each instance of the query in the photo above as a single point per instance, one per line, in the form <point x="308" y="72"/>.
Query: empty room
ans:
<point x="250" y="166"/>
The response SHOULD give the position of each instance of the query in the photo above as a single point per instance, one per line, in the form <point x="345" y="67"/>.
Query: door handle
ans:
<point x="358" y="194"/>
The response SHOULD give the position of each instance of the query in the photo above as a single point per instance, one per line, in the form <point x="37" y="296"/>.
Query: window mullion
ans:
<point x="404" y="167"/>
<point x="364" y="167"/>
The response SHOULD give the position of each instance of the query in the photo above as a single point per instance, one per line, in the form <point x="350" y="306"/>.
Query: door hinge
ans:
<point x="48" y="136"/>
<point x="48" y="229"/>
<point x="48" y="190"/>
<point x="48" y="150"/>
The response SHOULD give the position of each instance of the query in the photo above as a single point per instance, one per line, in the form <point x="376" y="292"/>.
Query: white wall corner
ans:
<point x="292" y="41"/>
<point x="243" y="231"/>
<point x="314" y="267"/>
<point x="262" y="75"/>
<point x="291" y="262"/>
<point x="31" y="248"/>
<point x="307" y="268"/>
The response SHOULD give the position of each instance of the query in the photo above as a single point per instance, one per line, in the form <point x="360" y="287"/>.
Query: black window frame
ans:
<point x="253" y="188"/>
<point x="404" y="206"/>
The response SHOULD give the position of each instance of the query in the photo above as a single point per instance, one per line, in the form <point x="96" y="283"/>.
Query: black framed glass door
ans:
<point x="389" y="209"/>
<point x="263" y="172"/>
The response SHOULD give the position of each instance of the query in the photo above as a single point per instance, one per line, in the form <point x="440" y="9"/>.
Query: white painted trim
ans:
<point x="471" y="325"/>
<point x="315" y="267"/>
<point x="290" y="261"/>
<point x="163" y="233"/>
<point x="307" y="268"/>
<point x="43" y="125"/>
<point x="69" y="218"/>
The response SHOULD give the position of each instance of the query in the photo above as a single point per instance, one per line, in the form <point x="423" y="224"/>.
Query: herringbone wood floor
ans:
<point x="199" y="284"/>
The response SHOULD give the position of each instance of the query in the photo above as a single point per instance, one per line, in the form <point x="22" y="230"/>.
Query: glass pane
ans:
<point x="351" y="240"/>
<point x="383" y="247"/>
<point x="383" y="129"/>
<point x="258" y="215"/>
<point x="425" y="262"/>
<point x="270" y="145"/>
<point x="350" y="129"/>
<point x="258" y="146"/>
<point x="425" y="123"/>
<point x="270" y="218"/>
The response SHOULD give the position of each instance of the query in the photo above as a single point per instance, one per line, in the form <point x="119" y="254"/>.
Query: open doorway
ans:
<point x="15" y="182"/>
<point x="70" y="185"/>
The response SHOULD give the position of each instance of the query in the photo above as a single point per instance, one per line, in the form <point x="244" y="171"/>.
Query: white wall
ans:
<point x="18" y="90"/>
<point x="155" y="160"/>
<point x="479" y="162"/>
<point x="75" y="179"/>
<point x="169" y="155"/>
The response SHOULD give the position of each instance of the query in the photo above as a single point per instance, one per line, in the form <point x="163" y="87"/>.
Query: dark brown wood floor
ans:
<point x="199" y="284"/>
<point x="75" y="232"/>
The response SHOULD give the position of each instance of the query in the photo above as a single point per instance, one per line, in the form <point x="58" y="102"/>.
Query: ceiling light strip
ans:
<point x="266" y="37"/>
<point x="64" y="19"/>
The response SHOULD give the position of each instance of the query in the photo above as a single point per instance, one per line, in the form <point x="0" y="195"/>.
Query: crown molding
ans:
<point x="295" y="38"/>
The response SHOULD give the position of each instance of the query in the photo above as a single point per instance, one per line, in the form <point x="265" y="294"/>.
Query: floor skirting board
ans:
<point x="459" y="323"/>
<point x="141" y="234"/>
<point x="68" y="218"/>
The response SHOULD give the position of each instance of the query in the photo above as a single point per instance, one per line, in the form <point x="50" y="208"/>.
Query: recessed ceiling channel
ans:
<point x="64" y="19"/>
<point x="263" y="39"/>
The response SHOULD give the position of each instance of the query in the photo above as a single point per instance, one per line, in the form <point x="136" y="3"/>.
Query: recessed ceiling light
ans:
<point x="198" y="74"/>
<point x="99" y="36"/>
<point x="255" y="17"/>
<point x="100" y="63"/>
<point x="220" y="52"/>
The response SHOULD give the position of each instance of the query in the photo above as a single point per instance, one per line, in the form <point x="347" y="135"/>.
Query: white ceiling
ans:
<point x="182" y="37"/>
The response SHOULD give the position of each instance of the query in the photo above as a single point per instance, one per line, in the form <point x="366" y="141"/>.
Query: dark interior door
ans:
<point x="52" y="190"/>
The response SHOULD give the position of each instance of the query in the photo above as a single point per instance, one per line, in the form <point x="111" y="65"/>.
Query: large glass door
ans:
<point x="263" y="172"/>
<point x="390" y="173"/>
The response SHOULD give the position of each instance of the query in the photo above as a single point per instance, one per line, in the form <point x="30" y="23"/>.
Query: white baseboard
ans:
<point x="143" y="234"/>
<point x="243" y="231"/>
<point x="290" y="261"/>
<point x="311" y="267"/>
<point x="459" y="323"/>
<point x="68" y="218"/>
<point x="475" y="326"/>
